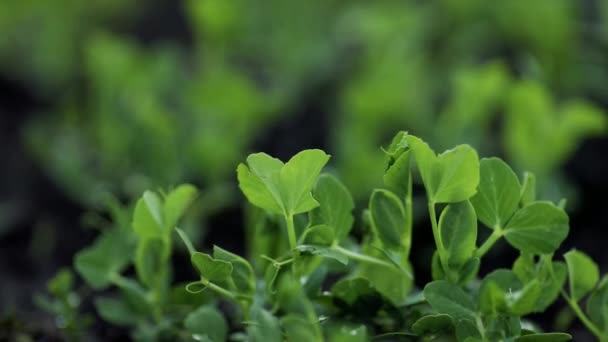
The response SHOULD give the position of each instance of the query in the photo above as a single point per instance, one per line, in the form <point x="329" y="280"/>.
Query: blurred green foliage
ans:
<point x="512" y="77"/>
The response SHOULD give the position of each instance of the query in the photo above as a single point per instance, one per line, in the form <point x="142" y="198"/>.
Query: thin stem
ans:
<point x="437" y="237"/>
<point x="291" y="234"/>
<point x="583" y="318"/>
<point x="485" y="247"/>
<point x="577" y="310"/>
<point x="361" y="257"/>
<point x="220" y="290"/>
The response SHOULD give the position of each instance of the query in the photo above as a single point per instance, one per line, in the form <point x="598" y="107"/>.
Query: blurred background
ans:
<point x="100" y="100"/>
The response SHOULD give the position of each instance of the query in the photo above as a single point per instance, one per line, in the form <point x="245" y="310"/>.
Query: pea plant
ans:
<point x="307" y="277"/>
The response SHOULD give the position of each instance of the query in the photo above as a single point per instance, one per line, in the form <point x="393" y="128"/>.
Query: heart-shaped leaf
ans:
<point x="242" y="272"/>
<point x="453" y="176"/>
<point x="210" y="268"/>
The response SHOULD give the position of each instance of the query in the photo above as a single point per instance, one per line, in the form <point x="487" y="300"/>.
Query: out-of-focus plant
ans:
<point x="41" y="41"/>
<point x="449" y="70"/>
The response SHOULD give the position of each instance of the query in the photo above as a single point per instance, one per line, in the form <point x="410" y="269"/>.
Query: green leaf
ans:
<point x="318" y="235"/>
<point x="458" y="229"/>
<point x="498" y="194"/>
<point x="583" y="274"/>
<point x="388" y="218"/>
<point x="524" y="267"/>
<point x="538" y="228"/>
<point x="151" y="258"/>
<point x="494" y="289"/>
<point x="528" y="189"/>
<point x="186" y="241"/>
<point x="335" y="206"/>
<point x="265" y="327"/>
<point x="210" y="268"/>
<point x="397" y="176"/>
<point x="468" y="271"/>
<point x="453" y="176"/>
<point x="207" y="322"/>
<point x="392" y="282"/>
<point x="176" y="204"/>
<point x="597" y="305"/>
<point x="525" y="301"/>
<point x="108" y="256"/>
<point x="450" y="299"/>
<point x="148" y="216"/>
<point x="323" y="251"/>
<point x="115" y="311"/>
<point x="544" y="337"/>
<point x="552" y="282"/>
<point x="433" y="324"/>
<point x="282" y="188"/>
<point x="298" y="177"/>
<point x="257" y="191"/>
<point x="242" y="272"/>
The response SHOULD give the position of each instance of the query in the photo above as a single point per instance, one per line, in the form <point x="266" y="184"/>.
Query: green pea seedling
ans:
<point x="308" y="279"/>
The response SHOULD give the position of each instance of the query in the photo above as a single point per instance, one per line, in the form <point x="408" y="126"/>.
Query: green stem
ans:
<point x="220" y="290"/>
<point x="485" y="247"/>
<point x="361" y="257"/>
<point x="408" y="218"/>
<point x="291" y="234"/>
<point x="438" y="242"/>
<point x="583" y="318"/>
<point x="577" y="310"/>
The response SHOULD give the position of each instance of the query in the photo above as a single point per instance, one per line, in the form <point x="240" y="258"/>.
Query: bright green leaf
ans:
<point x="148" y="216"/>
<point x="528" y="189"/>
<point x="388" y="218"/>
<point x="256" y="191"/>
<point x="498" y="195"/>
<point x="458" y="229"/>
<point x="335" y="205"/>
<point x="176" y="203"/>
<point x="583" y="273"/>
<point x="453" y="176"/>
<point x="298" y="177"/>
<point x="537" y="228"/>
